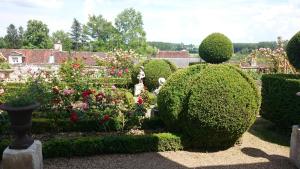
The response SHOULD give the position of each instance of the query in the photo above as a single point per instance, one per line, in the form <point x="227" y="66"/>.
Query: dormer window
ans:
<point x="15" y="58"/>
<point x="51" y="60"/>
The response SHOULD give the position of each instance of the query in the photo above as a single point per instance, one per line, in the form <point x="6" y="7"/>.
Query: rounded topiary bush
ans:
<point x="222" y="105"/>
<point x="172" y="95"/>
<point x="154" y="69"/>
<point x="213" y="105"/>
<point x="293" y="50"/>
<point x="216" y="48"/>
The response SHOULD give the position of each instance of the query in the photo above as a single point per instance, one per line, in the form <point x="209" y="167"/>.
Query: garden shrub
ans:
<point x="213" y="105"/>
<point x="10" y="89"/>
<point x="216" y="48"/>
<point x="174" y="93"/>
<point x="279" y="101"/>
<point x="154" y="69"/>
<point x="293" y="50"/>
<point x="153" y="123"/>
<point x="222" y="105"/>
<point x="111" y="144"/>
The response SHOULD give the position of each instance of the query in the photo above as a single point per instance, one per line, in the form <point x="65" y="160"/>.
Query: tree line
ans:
<point x="98" y="34"/>
<point x="243" y="48"/>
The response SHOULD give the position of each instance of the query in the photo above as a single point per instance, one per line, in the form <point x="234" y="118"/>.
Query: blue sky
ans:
<point x="187" y="21"/>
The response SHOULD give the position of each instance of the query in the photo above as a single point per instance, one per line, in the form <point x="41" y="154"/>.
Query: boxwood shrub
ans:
<point x="222" y="105"/>
<point x="173" y="95"/>
<point x="87" y="146"/>
<point x="216" y="48"/>
<point x="279" y="101"/>
<point x="213" y="105"/>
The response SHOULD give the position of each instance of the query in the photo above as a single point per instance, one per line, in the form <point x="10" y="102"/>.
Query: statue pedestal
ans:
<point x="295" y="146"/>
<point x="138" y="88"/>
<point x="30" y="158"/>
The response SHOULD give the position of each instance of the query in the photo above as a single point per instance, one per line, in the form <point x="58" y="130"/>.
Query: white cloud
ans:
<point x="186" y="21"/>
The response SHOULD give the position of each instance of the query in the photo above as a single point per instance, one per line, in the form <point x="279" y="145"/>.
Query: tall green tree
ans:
<point x="2" y="43"/>
<point x="63" y="38"/>
<point x="12" y="38"/>
<point x="37" y="35"/>
<point x="21" y="35"/>
<point x="130" y="25"/>
<point x="76" y="34"/>
<point x="100" y="32"/>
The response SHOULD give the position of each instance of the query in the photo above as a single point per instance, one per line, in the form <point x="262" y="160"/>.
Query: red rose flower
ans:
<point x="120" y="73"/>
<point x="76" y="66"/>
<point x="104" y="119"/>
<point x="74" y="117"/>
<point x="100" y="96"/>
<point x="140" y="100"/>
<point x="126" y="70"/>
<point x="112" y="72"/>
<point x="86" y="93"/>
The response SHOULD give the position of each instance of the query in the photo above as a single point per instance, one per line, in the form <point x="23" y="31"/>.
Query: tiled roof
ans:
<point x="41" y="56"/>
<point x="173" y="54"/>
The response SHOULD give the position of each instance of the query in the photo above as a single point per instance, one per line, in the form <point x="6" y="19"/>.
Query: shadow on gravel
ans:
<point x="157" y="161"/>
<point x="267" y="131"/>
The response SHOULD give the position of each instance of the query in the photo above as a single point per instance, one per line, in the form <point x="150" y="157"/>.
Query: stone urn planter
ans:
<point x="20" y="119"/>
<point x="6" y="72"/>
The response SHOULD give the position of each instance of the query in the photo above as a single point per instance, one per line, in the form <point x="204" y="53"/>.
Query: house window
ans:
<point x="15" y="59"/>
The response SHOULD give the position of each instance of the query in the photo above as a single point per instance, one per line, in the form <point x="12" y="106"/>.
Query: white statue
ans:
<point x="161" y="82"/>
<point x="141" y="75"/>
<point x="138" y="88"/>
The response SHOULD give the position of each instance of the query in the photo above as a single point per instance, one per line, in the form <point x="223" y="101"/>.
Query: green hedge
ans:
<point x="293" y="50"/>
<point x="87" y="146"/>
<point x="279" y="101"/>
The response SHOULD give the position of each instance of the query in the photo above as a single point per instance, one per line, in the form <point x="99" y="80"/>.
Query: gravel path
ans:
<point x="253" y="153"/>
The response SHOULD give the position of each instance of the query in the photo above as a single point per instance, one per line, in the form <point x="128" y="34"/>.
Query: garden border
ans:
<point x="127" y="144"/>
